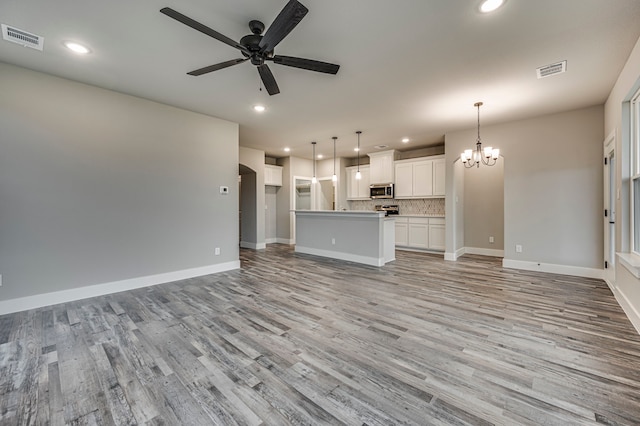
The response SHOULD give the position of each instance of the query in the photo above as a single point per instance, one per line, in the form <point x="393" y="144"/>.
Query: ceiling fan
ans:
<point x="259" y="48"/>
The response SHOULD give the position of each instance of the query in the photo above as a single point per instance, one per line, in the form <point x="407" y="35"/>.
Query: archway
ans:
<point x="248" y="209"/>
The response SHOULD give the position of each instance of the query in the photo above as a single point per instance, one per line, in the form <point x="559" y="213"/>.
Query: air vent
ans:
<point x="552" y="69"/>
<point x="22" y="37"/>
<point x="381" y="146"/>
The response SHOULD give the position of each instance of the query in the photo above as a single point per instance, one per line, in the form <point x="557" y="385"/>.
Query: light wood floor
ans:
<point x="296" y="339"/>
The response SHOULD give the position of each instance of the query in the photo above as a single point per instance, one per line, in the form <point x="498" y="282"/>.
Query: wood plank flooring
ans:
<point x="303" y="340"/>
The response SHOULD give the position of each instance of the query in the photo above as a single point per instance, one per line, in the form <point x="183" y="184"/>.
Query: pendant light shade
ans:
<point x="358" y="174"/>
<point x="335" y="176"/>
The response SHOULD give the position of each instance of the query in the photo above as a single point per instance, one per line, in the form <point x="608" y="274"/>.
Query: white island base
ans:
<point x="357" y="236"/>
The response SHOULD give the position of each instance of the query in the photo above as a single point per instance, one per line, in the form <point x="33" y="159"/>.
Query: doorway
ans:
<point x="325" y="195"/>
<point x="610" y="195"/>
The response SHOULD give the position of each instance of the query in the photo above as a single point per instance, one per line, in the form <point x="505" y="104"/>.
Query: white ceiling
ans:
<point x="409" y="68"/>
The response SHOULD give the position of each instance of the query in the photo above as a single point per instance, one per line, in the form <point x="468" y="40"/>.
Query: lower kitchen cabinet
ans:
<point x="423" y="233"/>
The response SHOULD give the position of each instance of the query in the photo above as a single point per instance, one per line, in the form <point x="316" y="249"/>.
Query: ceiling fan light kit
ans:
<point x="259" y="48"/>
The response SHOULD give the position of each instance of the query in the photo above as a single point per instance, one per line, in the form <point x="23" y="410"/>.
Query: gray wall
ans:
<point x="253" y="226"/>
<point x="291" y="166"/>
<point x="270" y="212"/>
<point x="553" y="186"/>
<point x="96" y="186"/>
<point x="626" y="286"/>
<point x="484" y="206"/>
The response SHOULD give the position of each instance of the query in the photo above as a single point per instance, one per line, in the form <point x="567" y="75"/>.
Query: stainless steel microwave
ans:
<point x="381" y="191"/>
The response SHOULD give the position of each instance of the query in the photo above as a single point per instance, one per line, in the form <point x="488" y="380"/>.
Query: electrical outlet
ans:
<point x="518" y="248"/>
<point x="491" y="240"/>
<point x="333" y="241"/>
<point x="0" y="280"/>
<point x="217" y="251"/>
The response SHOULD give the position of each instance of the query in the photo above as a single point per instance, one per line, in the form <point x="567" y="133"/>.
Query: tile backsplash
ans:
<point x="421" y="206"/>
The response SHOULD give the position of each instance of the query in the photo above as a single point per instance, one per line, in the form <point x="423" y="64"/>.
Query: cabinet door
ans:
<point x="404" y="180"/>
<point x="363" y="183"/>
<point x="352" y="184"/>
<point x="438" y="177"/>
<point x="436" y="237"/>
<point x="423" y="178"/>
<point x="272" y="175"/>
<point x="402" y="233"/>
<point x="418" y="235"/>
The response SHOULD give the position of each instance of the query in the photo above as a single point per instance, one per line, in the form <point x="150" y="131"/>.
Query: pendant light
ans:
<point x="487" y="156"/>
<point x="313" y="179"/>
<point x="358" y="174"/>
<point x="335" y="176"/>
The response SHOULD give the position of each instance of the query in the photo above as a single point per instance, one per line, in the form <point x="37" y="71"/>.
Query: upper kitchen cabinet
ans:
<point x="420" y="178"/>
<point x="381" y="166"/>
<point x="272" y="175"/>
<point x="358" y="189"/>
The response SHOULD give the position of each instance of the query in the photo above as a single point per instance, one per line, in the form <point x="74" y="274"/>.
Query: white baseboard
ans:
<point x="373" y="261"/>
<point x="553" y="268"/>
<point x="270" y="240"/>
<point x="254" y="246"/>
<point x="285" y="241"/>
<point x="63" y="296"/>
<point x="626" y="305"/>
<point x="484" y="251"/>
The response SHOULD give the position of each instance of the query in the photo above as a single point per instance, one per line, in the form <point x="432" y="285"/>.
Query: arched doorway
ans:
<point x="247" y="209"/>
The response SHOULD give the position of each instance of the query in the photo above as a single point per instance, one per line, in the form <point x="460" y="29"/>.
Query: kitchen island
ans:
<point x="357" y="236"/>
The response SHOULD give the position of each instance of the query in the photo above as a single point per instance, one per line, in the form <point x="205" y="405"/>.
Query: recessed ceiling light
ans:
<point x="490" y="5"/>
<point x="405" y="140"/>
<point x="320" y="156"/>
<point x="287" y="149"/>
<point x="76" y="47"/>
<point x="356" y="149"/>
<point x="259" y="108"/>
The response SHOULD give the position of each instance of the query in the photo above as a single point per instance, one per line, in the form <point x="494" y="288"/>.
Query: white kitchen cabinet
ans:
<point x="358" y="189"/>
<point x="402" y="231"/>
<point x="436" y="234"/>
<point x="381" y="168"/>
<point x="404" y="180"/>
<point x="272" y="175"/>
<point x="420" y="233"/>
<point x="420" y="178"/>
<point x="438" y="177"/>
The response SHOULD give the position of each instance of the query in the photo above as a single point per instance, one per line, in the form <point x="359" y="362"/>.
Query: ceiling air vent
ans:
<point x="22" y="37"/>
<point x="381" y="146"/>
<point x="552" y="69"/>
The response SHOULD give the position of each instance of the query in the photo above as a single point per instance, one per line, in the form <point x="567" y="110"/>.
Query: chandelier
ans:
<point x="487" y="156"/>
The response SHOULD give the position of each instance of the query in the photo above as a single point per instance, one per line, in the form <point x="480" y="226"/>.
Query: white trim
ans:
<point x="419" y="250"/>
<point x="626" y="305"/>
<point x="270" y="240"/>
<point x="373" y="261"/>
<point x="553" y="268"/>
<point x="455" y="255"/>
<point x="631" y="261"/>
<point x="254" y="246"/>
<point x="484" y="251"/>
<point x="285" y="241"/>
<point x="63" y="296"/>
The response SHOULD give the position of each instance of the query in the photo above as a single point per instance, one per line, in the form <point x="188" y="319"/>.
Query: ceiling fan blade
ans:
<point x="202" y="28"/>
<point x="285" y="22"/>
<point x="268" y="79"/>
<point x="306" y="64"/>
<point x="217" y="67"/>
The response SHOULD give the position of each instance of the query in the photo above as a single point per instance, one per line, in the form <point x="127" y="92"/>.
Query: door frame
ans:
<point x="611" y="194"/>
